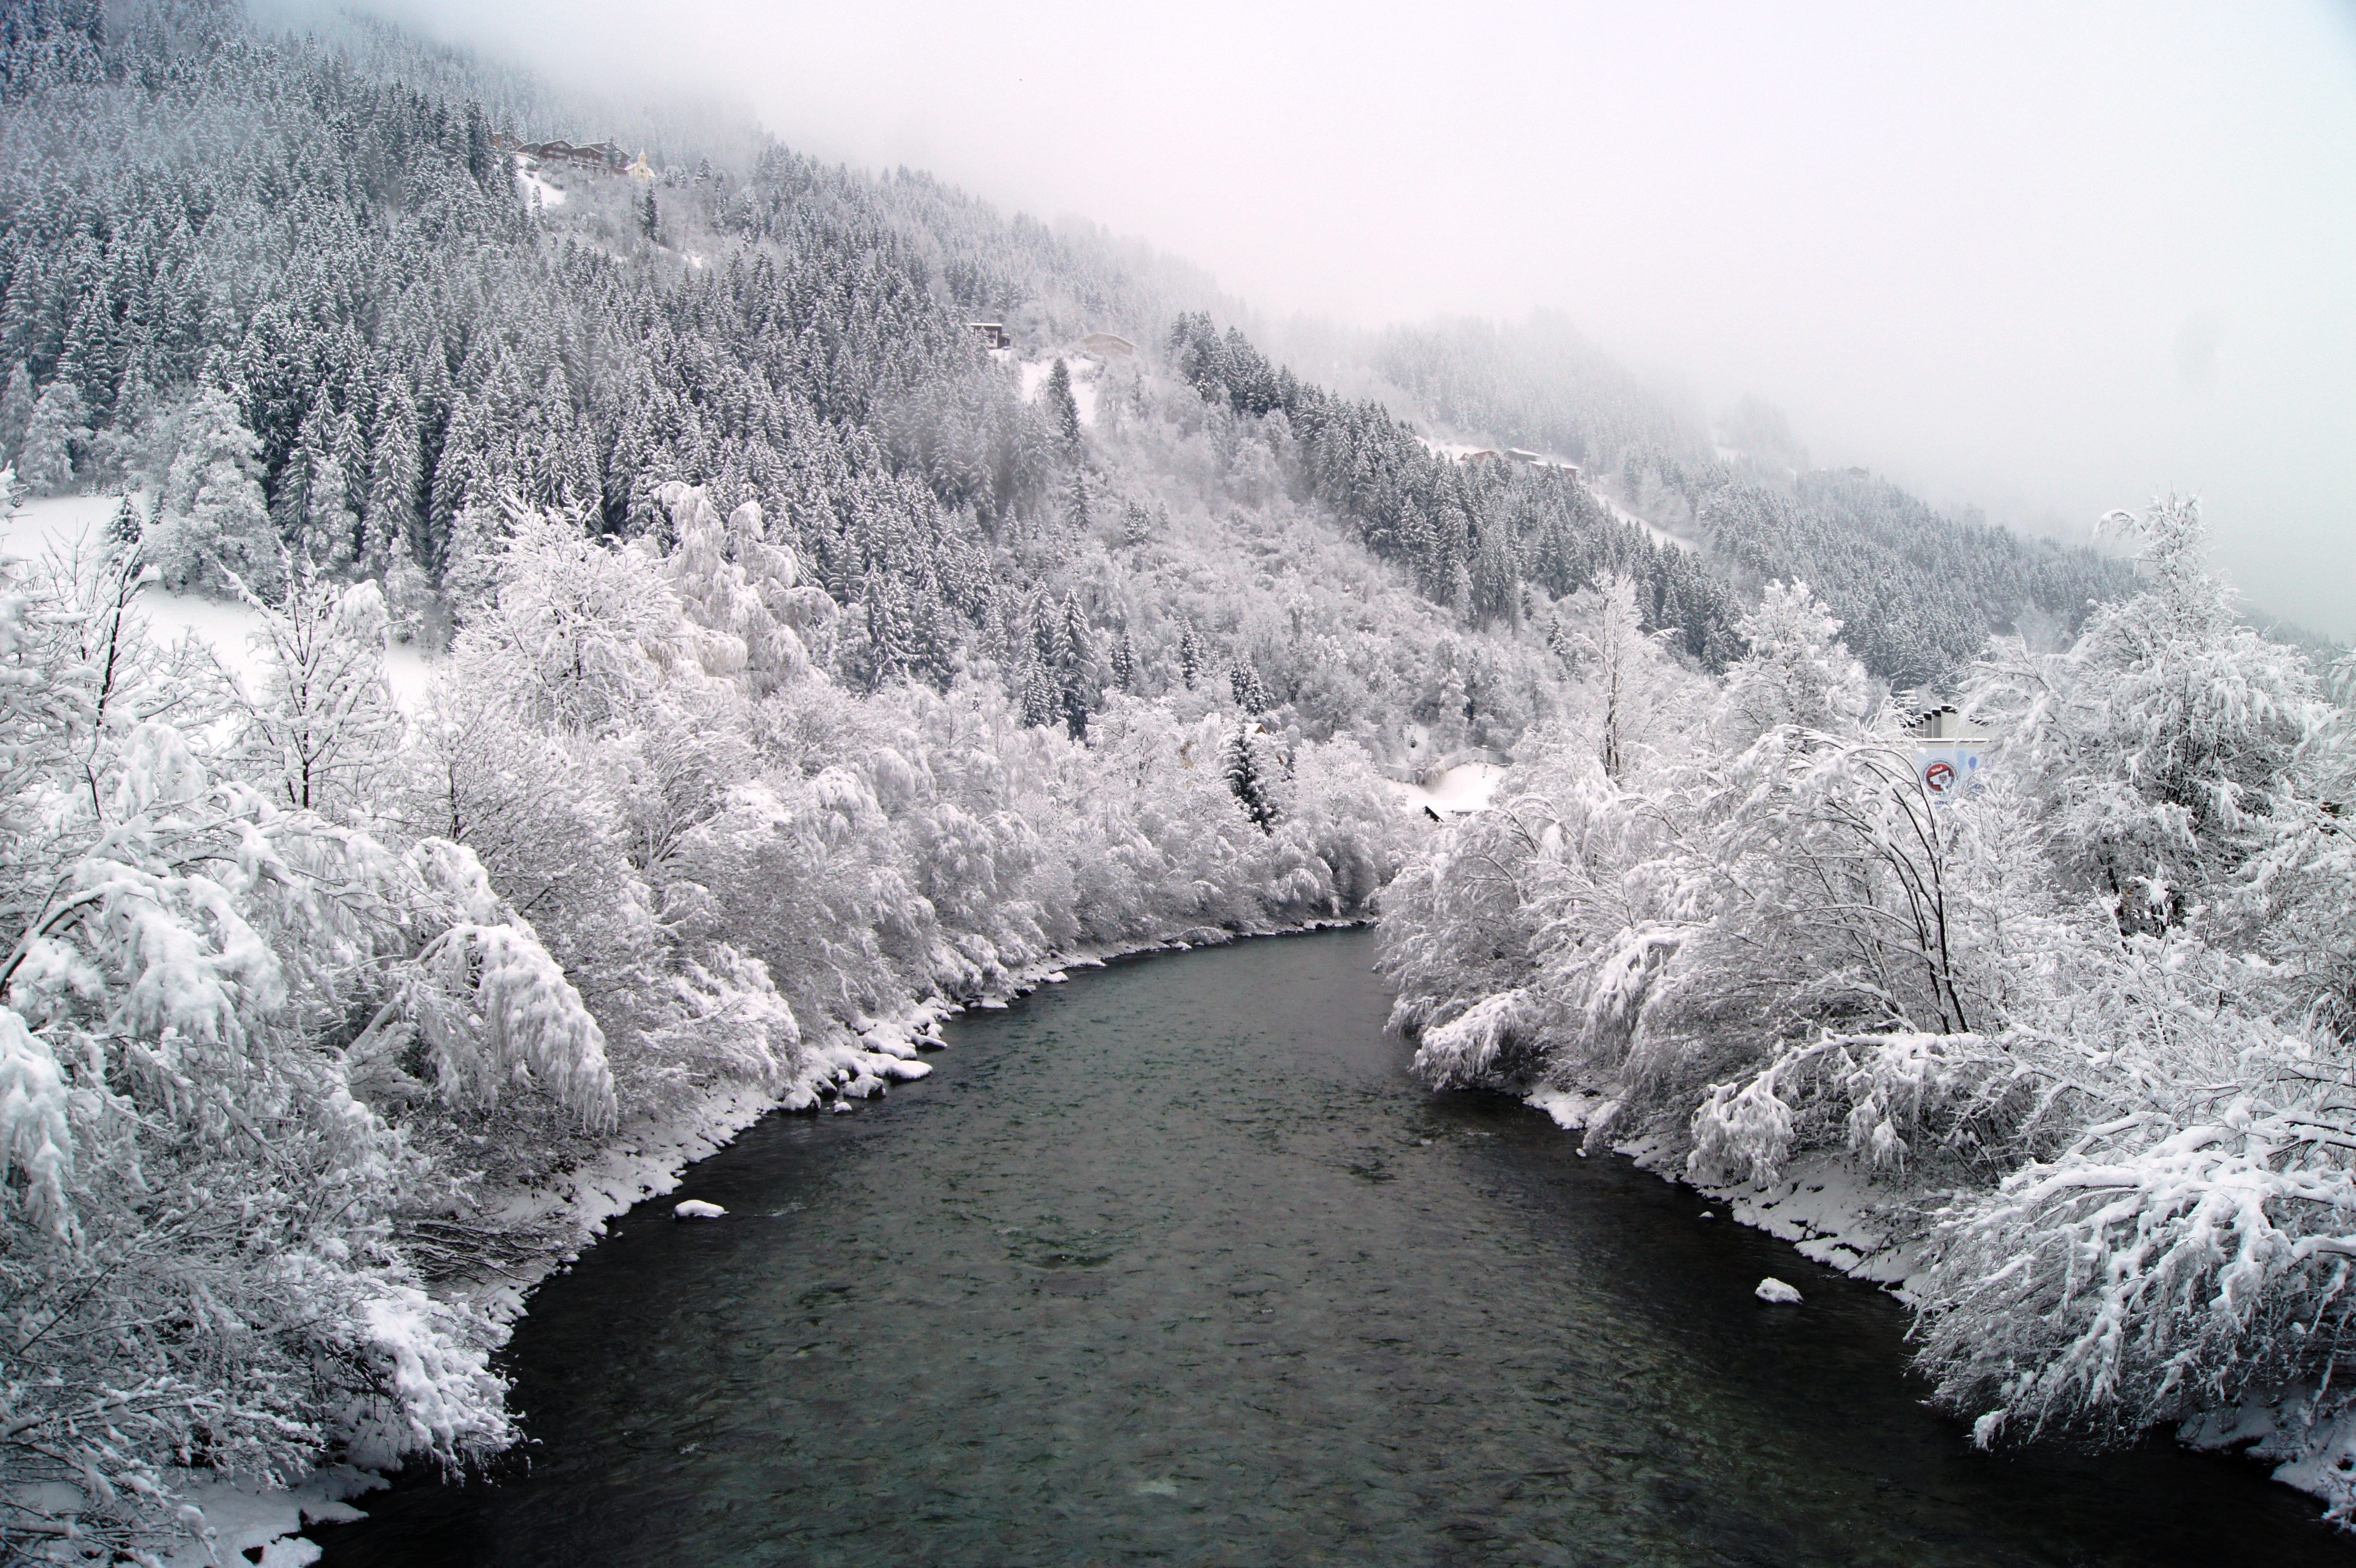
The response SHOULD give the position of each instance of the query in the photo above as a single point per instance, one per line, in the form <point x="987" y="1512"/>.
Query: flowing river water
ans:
<point x="1175" y="1264"/>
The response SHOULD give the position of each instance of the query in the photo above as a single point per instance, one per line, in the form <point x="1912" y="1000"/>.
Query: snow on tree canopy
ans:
<point x="35" y="1138"/>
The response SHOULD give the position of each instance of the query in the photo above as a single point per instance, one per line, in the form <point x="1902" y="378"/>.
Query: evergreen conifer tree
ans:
<point x="45" y="464"/>
<point x="1245" y="766"/>
<point x="1250" y="691"/>
<point x="1062" y="406"/>
<point x="216" y="517"/>
<point x="126" y="524"/>
<point x="15" y="411"/>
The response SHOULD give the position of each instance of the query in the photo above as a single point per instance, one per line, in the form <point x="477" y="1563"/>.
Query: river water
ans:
<point x="1175" y="1264"/>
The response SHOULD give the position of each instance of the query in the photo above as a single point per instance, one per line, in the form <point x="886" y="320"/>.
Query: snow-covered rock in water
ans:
<point x="1775" y="1289"/>
<point x="696" y="1208"/>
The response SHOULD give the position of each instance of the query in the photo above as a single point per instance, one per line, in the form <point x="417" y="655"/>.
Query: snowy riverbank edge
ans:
<point x="644" y="1160"/>
<point x="1871" y="1230"/>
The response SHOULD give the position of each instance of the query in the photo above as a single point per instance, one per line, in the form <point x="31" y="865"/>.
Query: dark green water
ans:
<point x="1175" y="1264"/>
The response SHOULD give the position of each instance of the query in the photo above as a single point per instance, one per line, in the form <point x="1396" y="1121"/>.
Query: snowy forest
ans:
<point x="798" y="660"/>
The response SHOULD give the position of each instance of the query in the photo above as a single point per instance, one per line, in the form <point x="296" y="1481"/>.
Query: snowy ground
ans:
<point x="57" y="522"/>
<point x="529" y="179"/>
<point x="1084" y="385"/>
<point x="1455" y="793"/>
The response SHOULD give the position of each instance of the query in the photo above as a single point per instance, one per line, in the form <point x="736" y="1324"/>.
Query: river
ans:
<point x="1174" y="1262"/>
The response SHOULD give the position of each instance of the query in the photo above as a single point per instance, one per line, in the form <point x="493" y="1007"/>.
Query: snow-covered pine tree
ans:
<point x="1249" y="773"/>
<point x="128" y="524"/>
<point x="15" y="411"/>
<point x="212" y="516"/>
<point x="45" y="463"/>
<point x="1250" y="692"/>
<point x="1063" y="408"/>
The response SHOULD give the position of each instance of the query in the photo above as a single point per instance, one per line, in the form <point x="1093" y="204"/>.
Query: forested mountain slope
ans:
<point x="1919" y="591"/>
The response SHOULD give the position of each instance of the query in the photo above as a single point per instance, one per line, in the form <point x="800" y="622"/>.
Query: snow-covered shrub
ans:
<point x="2175" y="1259"/>
<point x="196" y="1251"/>
<point x="2098" y="1007"/>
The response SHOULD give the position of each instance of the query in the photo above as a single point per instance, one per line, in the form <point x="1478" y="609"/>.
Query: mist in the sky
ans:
<point x="2046" y="259"/>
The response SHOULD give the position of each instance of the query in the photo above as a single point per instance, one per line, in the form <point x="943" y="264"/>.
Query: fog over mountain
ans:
<point x="2042" y="263"/>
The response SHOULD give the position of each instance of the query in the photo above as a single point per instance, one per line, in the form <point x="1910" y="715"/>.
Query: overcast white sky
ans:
<point x="2041" y="257"/>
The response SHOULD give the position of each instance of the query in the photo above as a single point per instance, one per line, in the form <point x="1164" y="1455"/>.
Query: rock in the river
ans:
<point x="696" y="1208"/>
<point x="1775" y="1289"/>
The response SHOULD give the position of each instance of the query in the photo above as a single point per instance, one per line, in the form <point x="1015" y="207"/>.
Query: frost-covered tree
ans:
<point x="1250" y="691"/>
<point x="2129" y="1110"/>
<point x="1063" y="408"/>
<point x="179" y="1126"/>
<point x="2163" y="738"/>
<point x="212" y="519"/>
<point x="322" y="729"/>
<point x="16" y="400"/>
<point x="1796" y="670"/>
<point x="1627" y="682"/>
<point x="45" y="461"/>
<point x="1251" y="776"/>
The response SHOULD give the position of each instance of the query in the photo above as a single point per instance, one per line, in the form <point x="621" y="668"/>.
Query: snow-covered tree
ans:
<point x="2162" y="739"/>
<point x="45" y="462"/>
<point x="17" y="400"/>
<point x="1251" y="774"/>
<point x="1063" y="408"/>
<point x="322" y="729"/>
<point x="1796" y="670"/>
<point x="212" y="521"/>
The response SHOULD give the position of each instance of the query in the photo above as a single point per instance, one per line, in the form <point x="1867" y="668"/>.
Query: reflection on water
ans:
<point x="1175" y="1264"/>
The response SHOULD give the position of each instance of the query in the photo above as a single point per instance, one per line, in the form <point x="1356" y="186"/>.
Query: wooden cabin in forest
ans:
<point x="599" y="157"/>
<point x="991" y="333"/>
<point x="1108" y="346"/>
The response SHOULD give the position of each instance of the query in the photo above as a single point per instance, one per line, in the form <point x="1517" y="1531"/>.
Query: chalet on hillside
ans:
<point x="991" y="333"/>
<point x="1108" y="346"/>
<point x="600" y="157"/>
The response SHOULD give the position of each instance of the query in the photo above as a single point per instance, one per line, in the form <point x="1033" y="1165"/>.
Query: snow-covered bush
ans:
<point x="2097" y="1007"/>
<point x="197" y="1267"/>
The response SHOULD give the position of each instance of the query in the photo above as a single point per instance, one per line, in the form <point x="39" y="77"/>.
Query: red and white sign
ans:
<point x="1947" y="771"/>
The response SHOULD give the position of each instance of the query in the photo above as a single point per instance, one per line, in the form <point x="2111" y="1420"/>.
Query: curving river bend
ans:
<point x="1175" y="1264"/>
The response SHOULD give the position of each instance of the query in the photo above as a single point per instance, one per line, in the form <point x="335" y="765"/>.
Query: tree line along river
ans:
<point x="1175" y="1264"/>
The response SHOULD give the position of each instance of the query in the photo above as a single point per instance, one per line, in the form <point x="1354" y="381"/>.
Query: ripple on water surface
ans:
<point x="1176" y="1265"/>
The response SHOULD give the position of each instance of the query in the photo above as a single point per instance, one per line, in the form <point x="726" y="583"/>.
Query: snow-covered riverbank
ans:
<point x="1873" y="1231"/>
<point x="641" y="1161"/>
